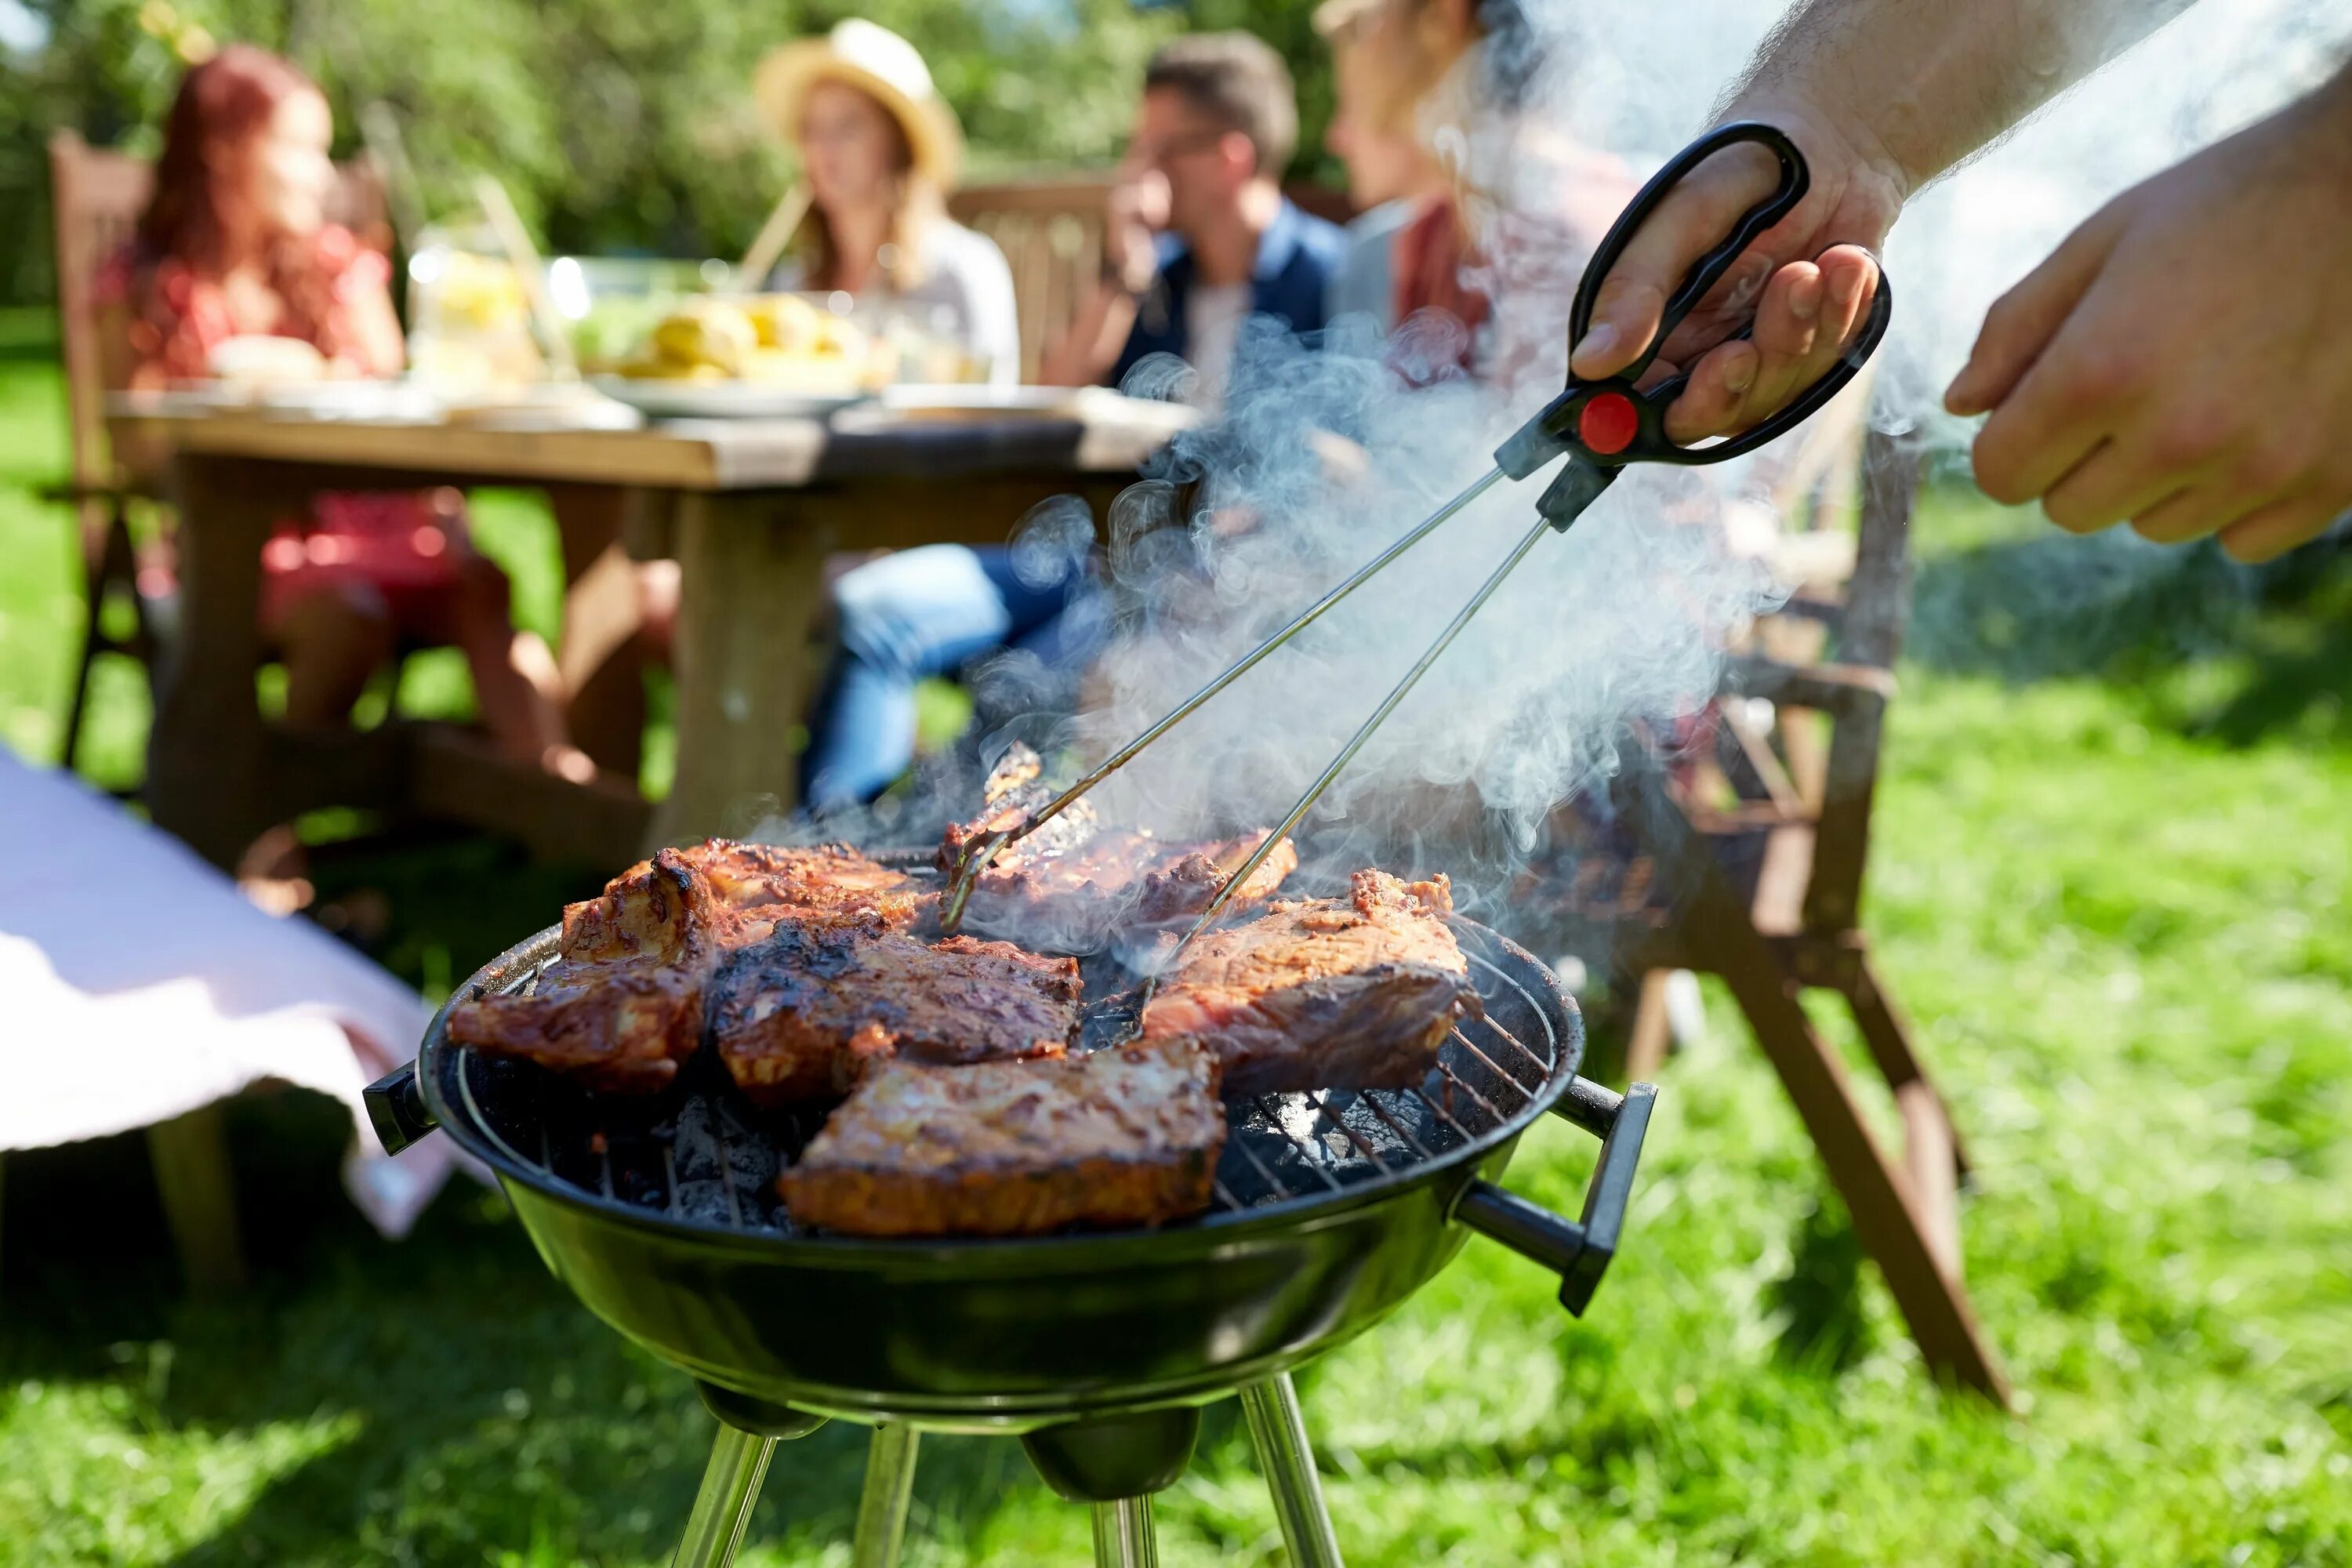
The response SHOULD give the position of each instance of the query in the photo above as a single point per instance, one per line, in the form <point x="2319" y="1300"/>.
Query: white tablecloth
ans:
<point x="136" y="984"/>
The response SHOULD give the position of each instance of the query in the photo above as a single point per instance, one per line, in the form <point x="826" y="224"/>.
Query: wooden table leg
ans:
<point x="207" y="753"/>
<point x="751" y="583"/>
<point x="190" y="1154"/>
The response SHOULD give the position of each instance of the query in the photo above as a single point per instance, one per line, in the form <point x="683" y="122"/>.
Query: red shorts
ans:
<point x="404" y="545"/>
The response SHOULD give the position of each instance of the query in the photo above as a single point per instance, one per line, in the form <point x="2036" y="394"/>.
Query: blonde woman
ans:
<point x="881" y="150"/>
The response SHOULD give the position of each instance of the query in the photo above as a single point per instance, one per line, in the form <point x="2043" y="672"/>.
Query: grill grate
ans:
<point x="705" y="1158"/>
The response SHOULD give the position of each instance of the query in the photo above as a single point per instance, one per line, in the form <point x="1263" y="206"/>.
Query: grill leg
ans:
<point x="882" y="1508"/>
<point x="1279" y="1432"/>
<point x="739" y="1462"/>
<point x="1123" y="1537"/>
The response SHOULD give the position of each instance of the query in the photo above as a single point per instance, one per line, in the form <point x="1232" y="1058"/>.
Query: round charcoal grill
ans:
<point x="1097" y="1347"/>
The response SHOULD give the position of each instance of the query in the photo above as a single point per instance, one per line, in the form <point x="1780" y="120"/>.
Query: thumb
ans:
<point x="2022" y="322"/>
<point x="1694" y="218"/>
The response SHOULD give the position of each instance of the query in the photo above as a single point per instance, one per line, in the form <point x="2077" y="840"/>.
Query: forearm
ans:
<point x="1090" y="347"/>
<point x="1920" y="85"/>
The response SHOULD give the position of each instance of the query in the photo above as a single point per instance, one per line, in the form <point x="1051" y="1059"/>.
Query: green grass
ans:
<point x="2110" y="869"/>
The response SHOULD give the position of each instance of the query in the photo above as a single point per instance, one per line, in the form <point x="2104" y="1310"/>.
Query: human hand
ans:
<point x="1806" y="282"/>
<point x="1135" y="210"/>
<point x="2180" y="360"/>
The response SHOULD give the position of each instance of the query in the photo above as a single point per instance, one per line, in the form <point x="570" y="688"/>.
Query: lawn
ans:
<point x="2111" y="868"/>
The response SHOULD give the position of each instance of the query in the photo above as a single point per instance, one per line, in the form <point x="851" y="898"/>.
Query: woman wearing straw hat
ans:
<point x="880" y="150"/>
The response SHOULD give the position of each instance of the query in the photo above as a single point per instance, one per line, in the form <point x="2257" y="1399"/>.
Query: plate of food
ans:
<point x="760" y="356"/>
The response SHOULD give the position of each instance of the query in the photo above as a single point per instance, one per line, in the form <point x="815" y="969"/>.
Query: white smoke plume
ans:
<point x="1623" y="621"/>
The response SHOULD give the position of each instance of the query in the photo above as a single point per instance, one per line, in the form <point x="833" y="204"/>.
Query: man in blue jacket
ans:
<point x="1198" y="235"/>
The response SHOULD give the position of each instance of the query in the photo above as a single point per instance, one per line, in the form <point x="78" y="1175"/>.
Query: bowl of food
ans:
<point x="758" y="356"/>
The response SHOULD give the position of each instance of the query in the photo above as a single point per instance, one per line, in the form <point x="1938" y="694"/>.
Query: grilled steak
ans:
<point x="803" y="1014"/>
<point x="1073" y="901"/>
<point x="623" y="1006"/>
<point x="1016" y="789"/>
<point x="1122" y="1137"/>
<point x="810" y="883"/>
<point x="1354" y="993"/>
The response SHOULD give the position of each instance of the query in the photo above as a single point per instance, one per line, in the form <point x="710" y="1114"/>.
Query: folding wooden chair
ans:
<point x="1745" y="860"/>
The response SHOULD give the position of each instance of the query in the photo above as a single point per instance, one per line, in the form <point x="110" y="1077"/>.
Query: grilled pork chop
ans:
<point x="622" y="1008"/>
<point x="1354" y="993"/>
<point x="1074" y="901"/>
<point x="803" y="1015"/>
<point x="1120" y="1137"/>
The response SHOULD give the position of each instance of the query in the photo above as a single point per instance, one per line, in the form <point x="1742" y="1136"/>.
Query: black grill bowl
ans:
<point x="1013" y="1334"/>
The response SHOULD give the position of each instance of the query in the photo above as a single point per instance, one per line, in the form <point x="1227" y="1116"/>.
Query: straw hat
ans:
<point x="880" y="63"/>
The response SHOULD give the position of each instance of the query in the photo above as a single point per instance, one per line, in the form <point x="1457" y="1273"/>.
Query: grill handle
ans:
<point x="396" y="1108"/>
<point x="1578" y="1250"/>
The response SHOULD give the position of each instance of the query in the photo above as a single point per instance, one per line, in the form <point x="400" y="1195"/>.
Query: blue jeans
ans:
<point x="919" y="612"/>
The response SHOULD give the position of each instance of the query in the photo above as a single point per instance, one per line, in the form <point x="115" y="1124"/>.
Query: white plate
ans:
<point x="981" y="397"/>
<point x="722" y="399"/>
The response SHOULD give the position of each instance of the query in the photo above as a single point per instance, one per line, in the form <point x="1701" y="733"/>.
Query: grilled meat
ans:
<point x="830" y="879"/>
<point x="1122" y="1137"/>
<point x="1076" y="900"/>
<point x="1015" y="790"/>
<point x="1355" y="993"/>
<point x="803" y="1014"/>
<point x="622" y="1008"/>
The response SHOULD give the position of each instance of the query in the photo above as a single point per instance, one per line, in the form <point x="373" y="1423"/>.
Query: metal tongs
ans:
<point x="1600" y="425"/>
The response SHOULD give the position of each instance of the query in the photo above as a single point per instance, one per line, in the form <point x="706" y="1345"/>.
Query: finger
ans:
<point x="2065" y="407"/>
<point x="2193" y="513"/>
<point x="1788" y="314"/>
<point x="2112" y="483"/>
<point x="1693" y="218"/>
<point x="2270" y="532"/>
<point x="1715" y="400"/>
<point x="2023" y="320"/>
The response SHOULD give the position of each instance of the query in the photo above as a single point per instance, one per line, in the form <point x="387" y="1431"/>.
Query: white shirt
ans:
<point x="1213" y="318"/>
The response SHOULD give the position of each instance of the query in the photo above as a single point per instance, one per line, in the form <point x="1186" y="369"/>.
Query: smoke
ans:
<point x="1622" y="625"/>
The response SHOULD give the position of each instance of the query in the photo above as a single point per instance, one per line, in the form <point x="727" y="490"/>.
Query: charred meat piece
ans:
<point x="1354" y="993"/>
<point x="803" y="1015"/>
<point x="1015" y="791"/>
<point x="1074" y="901"/>
<point x="824" y="882"/>
<point x="621" y="1007"/>
<point x="1122" y="1137"/>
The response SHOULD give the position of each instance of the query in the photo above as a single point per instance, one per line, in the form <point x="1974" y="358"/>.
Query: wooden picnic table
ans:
<point x="758" y="506"/>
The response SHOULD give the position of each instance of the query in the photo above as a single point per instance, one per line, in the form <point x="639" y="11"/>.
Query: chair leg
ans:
<point x="1279" y="1431"/>
<point x="190" y="1154"/>
<point x="722" y="1507"/>
<point x="1123" y="1535"/>
<point x="1888" y="1035"/>
<point x="1645" y="1046"/>
<point x="1892" y="1222"/>
<point x="882" y="1506"/>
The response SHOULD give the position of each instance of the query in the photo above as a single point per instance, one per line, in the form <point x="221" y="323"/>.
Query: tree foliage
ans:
<point x="617" y="124"/>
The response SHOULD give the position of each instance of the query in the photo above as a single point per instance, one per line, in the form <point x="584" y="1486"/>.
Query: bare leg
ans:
<point x="514" y="675"/>
<point x="330" y="642"/>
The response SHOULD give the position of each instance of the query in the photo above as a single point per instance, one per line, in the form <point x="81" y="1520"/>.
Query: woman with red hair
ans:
<point x="234" y="268"/>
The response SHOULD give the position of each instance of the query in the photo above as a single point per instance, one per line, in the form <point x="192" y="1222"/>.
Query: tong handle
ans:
<point x="1796" y="179"/>
<point x="1611" y="422"/>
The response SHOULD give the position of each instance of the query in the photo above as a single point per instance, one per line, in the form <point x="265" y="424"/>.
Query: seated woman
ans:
<point x="880" y="150"/>
<point x="236" y="268"/>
